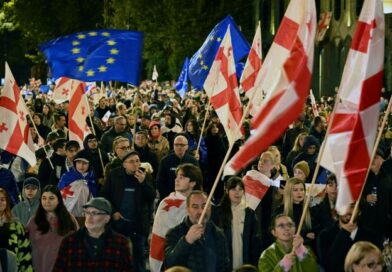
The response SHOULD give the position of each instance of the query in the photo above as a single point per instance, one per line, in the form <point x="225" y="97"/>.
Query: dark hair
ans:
<point x="7" y="212"/>
<point x="225" y="216"/>
<point x="40" y="116"/>
<point x="65" y="222"/>
<point x="195" y="125"/>
<point x="276" y="217"/>
<point x="58" y="115"/>
<point x="193" y="173"/>
<point x="59" y="143"/>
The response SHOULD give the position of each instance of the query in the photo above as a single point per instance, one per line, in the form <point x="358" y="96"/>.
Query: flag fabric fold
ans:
<point x="252" y="67"/>
<point x="285" y="78"/>
<point x="222" y="89"/>
<point x="354" y="126"/>
<point x="256" y="186"/>
<point x="183" y="78"/>
<point x="99" y="55"/>
<point x="15" y="136"/>
<point x="201" y="61"/>
<point x="155" y="74"/>
<point x="171" y="212"/>
<point x="74" y="91"/>
<point x="313" y="103"/>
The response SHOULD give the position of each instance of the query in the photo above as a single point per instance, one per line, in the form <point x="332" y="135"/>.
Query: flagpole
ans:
<point x="39" y="136"/>
<point x="134" y="133"/>
<point x="93" y="130"/>
<point x="245" y="113"/>
<point x="203" y="127"/>
<point x="384" y="121"/>
<point x="323" y="144"/>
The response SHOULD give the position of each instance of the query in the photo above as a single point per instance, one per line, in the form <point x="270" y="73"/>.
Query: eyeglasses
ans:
<point x="287" y="225"/>
<point x="180" y="145"/>
<point x="124" y="147"/>
<point x="93" y="214"/>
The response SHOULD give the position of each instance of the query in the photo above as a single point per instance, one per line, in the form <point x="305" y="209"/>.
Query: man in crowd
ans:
<point x="131" y="192"/>
<point x="119" y="129"/>
<point x="168" y="165"/>
<point x="95" y="247"/>
<point x="141" y="141"/>
<point x="199" y="247"/>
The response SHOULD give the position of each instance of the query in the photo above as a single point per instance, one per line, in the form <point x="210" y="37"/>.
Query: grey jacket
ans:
<point x="25" y="209"/>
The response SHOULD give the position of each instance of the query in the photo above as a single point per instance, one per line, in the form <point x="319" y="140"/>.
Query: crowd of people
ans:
<point x="138" y="185"/>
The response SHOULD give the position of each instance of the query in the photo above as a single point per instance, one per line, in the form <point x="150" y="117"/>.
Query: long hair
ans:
<point x="288" y="200"/>
<point x="7" y="211"/>
<point x="65" y="222"/>
<point x="357" y="253"/>
<point x="196" y="129"/>
<point x="296" y="146"/>
<point x="225" y="215"/>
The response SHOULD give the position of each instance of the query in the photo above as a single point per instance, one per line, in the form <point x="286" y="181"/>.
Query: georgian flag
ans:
<point x="15" y="136"/>
<point x="222" y="89"/>
<point x="75" y="195"/>
<point x="285" y="78"/>
<point x="171" y="212"/>
<point x="256" y="186"/>
<point x="354" y="125"/>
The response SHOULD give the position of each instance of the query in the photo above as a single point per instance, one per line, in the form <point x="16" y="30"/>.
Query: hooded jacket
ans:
<point x="26" y="209"/>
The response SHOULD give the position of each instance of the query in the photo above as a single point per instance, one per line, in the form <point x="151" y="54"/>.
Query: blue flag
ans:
<point x="182" y="82"/>
<point x="202" y="60"/>
<point x="99" y="55"/>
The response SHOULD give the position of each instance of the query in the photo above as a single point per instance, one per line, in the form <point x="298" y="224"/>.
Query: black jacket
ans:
<point x="113" y="190"/>
<point x="194" y="256"/>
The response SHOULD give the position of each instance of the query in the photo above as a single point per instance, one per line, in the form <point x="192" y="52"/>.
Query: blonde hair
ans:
<point x="357" y="252"/>
<point x="296" y="146"/>
<point x="288" y="201"/>
<point x="275" y="151"/>
<point x="270" y="155"/>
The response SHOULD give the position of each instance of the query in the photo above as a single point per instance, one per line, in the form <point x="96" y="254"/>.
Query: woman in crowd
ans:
<point x="293" y="204"/>
<point x="280" y="168"/>
<point x="239" y="224"/>
<point x="301" y="171"/>
<point x="12" y="234"/>
<point x="42" y="129"/>
<point x="288" y="252"/>
<point x="48" y="227"/>
<point x="47" y="116"/>
<point x="362" y="257"/>
<point x="326" y="212"/>
<point x="297" y="148"/>
<point x="156" y="142"/>
<point x="192" y="132"/>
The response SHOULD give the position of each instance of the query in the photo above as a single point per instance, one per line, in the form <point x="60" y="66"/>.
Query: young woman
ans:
<point x="363" y="257"/>
<point x="42" y="129"/>
<point x="47" y="116"/>
<point x="12" y="234"/>
<point x="239" y="224"/>
<point x="298" y="144"/>
<point x="192" y="133"/>
<point x="48" y="227"/>
<point x="288" y="253"/>
<point x="156" y="142"/>
<point x="293" y="203"/>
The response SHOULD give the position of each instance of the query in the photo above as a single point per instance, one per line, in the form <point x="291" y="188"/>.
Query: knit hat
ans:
<point x="99" y="203"/>
<point x="303" y="166"/>
<point x="31" y="181"/>
<point x="154" y="123"/>
<point x="82" y="155"/>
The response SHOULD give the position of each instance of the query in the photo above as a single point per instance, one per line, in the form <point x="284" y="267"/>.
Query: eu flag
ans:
<point x="99" y="55"/>
<point x="202" y="60"/>
<point x="182" y="82"/>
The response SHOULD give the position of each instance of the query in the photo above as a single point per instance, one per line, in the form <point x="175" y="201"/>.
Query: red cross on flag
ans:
<point x="222" y="89"/>
<point x="285" y="78"/>
<point x="15" y="134"/>
<point x="73" y="90"/>
<point x="353" y="129"/>
<point x="256" y="186"/>
<point x="251" y="69"/>
<point x="171" y="212"/>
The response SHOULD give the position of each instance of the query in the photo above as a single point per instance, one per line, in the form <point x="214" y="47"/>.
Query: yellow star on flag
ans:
<point x="75" y="50"/>
<point x="81" y="36"/>
<point x="74" y="43"/>
<point x="102" y="68"/>
<point x="80" y="59"/>
<point x="110" y="60"/>
<point x="111" y="42"/>
<point x="105" y="34"/>
<point x="92" y="33"/>
<point x="90" y="73"/>
<point x="81" y="67"/>
<point x="218" y="39"/>
<point x="212" y="38"/>
<point x="114" y="51"/>
<point x="205" y="67"/>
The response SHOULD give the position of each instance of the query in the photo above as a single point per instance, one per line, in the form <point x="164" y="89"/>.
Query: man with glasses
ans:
<point x="167" y="167"/>
<point x="121" y="146"/>
<point x="130" y="191"/>
<point x="119" y="129"/>
<point x="95" y="246"/>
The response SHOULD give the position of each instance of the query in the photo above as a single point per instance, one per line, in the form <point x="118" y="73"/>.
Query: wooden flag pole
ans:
<point x="384" y="121"/>
<point x="39" y="136"/>
<point x="203" y="127"/>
